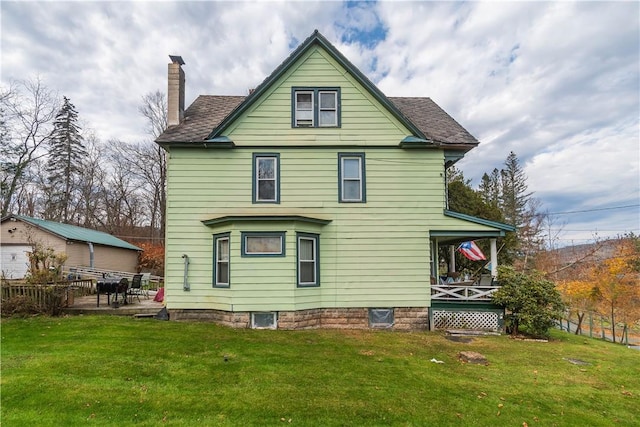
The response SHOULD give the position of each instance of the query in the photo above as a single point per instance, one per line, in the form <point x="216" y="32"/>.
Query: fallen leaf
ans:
<point x="498" y="414"/>
<point x="500" y="405"/>
<point x="524" y="424"/>
<point x="459" y="415"/>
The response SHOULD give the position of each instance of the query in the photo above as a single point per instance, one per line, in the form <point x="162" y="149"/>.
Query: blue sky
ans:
<point x="558" y="83"/>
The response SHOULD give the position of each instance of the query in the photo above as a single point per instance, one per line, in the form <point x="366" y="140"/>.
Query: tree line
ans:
<point x="52" y="168"/>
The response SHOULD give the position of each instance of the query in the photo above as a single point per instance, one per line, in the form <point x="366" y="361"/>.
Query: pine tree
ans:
<point x="490" y="188"/>
<point x="514" y="197"/>
<point x="65" y="164"/>
<point x="520" y="209"/>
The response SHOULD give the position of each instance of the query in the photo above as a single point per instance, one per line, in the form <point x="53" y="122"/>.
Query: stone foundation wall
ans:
<point x="411" y="318"/>
<point x="405" y="319"/>
<point x="226" y="318"/>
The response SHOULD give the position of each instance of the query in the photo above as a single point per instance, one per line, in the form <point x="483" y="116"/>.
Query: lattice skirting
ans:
<point x="467" y="319"/>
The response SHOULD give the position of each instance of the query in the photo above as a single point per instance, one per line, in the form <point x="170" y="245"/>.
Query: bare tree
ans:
<point x="154" y="108"/>
<point x="28" y="109"/>
<point x="152" y="167"/>
<point x="123" y="206"/>
<point x="91" y="207"/>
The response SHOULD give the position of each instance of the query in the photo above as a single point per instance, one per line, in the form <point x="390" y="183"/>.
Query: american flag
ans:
<point x="471" y="251"/>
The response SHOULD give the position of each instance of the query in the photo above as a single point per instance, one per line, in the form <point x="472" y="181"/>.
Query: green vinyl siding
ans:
<point x="363" y="120"/>
<point x="373" y="254"/>
<point x="370" y="254"/>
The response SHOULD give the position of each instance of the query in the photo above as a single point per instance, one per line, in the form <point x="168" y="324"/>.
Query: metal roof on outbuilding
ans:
<point x="73" y="232"/>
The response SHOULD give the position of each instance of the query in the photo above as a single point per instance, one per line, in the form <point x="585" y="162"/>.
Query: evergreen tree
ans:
<point x="464" y="199"/>
<point x="490" y="188"/>
<point x="521" y="210"/>
<point x="65" y="164"/>
<point x="514" y="197"/>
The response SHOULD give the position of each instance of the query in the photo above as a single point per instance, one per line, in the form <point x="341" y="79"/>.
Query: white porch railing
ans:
<point x="456" y="292"/>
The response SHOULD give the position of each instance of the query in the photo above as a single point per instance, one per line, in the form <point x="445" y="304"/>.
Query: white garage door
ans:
<point x="13" y="261"/>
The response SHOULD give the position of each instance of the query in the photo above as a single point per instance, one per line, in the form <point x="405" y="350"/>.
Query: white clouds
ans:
<point x="557" y="83"/>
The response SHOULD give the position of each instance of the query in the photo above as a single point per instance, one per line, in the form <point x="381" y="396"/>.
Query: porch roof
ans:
<point x="465" y="227"/>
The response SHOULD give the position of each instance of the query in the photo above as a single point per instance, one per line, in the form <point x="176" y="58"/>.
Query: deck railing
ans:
<point x="48" y="297"/>
<point x="458" y="292"/>
<point x="98" y="273"/>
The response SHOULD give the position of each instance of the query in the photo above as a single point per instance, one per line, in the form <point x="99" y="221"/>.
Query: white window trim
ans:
<point x="343" y="179"/>
<point x="274" y="179"/>
<point x="314" y="241"/>
<point x="334" y="110"/>
<point x="310" y="92"/>
<point x="219" y="261"/>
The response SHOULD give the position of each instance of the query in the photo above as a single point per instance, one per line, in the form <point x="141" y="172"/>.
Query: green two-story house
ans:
<point x="315" y="201"/>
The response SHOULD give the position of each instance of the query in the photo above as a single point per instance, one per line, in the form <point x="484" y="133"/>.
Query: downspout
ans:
<point x="91" y="253"/>
<point x="185" y="284"/>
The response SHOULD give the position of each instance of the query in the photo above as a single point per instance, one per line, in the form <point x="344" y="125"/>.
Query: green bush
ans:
<point x="533" y="303"/>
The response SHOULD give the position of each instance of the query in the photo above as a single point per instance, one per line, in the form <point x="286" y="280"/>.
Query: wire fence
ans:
<point x="595" y="325"/>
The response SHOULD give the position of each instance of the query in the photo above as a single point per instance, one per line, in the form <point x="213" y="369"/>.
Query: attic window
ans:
<point x="304" y="109"/>
<point x="315" y="107"/>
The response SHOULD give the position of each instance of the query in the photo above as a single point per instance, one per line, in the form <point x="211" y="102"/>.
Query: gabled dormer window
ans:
<point x="315" y="107"/>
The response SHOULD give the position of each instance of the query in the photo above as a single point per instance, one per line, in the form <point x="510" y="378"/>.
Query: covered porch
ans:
<point x="462" y="299"/>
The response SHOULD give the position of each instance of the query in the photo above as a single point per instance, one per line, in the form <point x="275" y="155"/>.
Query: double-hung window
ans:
<point x="328" y="108"/>
<point x="308" y="260"/>
<point x="304" y="108"/>
<point x="351" y="178"/>
<point x="221" y="260"/>
<point x="266" y="178"/>
<point x="315" y="107"/>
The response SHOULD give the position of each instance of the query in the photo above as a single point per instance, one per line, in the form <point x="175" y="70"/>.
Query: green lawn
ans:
<point x="101" y="370"/>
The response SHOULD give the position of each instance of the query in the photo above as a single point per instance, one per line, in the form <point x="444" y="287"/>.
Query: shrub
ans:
<point x="532" y="302"/>
<point x="19" y="306"/>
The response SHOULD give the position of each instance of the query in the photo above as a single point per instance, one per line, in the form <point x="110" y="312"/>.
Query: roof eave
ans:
<point x="481" y="221"/>
<point x="318" y="38"/>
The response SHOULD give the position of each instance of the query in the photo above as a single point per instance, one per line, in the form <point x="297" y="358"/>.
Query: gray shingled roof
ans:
<point x="433" y="121"/>
<point x="205" y="114"/>
<point x="208" y="111"/>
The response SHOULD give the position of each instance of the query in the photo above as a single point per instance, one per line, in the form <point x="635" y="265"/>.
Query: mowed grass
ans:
<point x="101" y="370"/>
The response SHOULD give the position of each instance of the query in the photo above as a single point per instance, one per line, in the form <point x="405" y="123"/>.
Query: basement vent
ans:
<point x="264" y="320"/>
<point x="381" y="317"/>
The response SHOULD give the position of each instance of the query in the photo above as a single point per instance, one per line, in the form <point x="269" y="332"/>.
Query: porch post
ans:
<point x="494" y="259"/>
<point x="452" y="258"/>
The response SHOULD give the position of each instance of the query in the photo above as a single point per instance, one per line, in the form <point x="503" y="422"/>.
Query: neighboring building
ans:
<point x="83" y="247"/>
<point x="315" y="201"/>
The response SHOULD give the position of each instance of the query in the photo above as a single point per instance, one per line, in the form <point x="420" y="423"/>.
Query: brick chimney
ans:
<point x="175" y="93"/>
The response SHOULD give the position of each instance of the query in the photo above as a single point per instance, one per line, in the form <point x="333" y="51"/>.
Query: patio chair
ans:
<point x="486" y="280"/>
<point x="122" y="288"/>
<point x="136" y="287"/>
<point x="146" y="284"/>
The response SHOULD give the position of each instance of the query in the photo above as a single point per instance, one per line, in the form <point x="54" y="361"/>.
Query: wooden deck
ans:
<point x="87" y="305"/>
